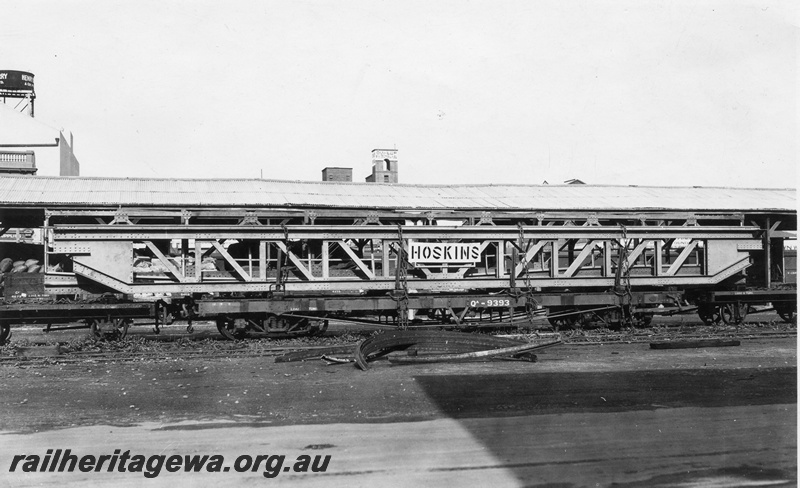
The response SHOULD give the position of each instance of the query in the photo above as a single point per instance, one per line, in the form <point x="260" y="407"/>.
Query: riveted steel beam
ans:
<point x="272" y="232"/>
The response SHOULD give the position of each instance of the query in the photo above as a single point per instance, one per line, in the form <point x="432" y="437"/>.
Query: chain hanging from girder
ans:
<point x="530" y="301"/>
<point x="622" y="278"/>
<point x="401" y="281"/>
<point x="283" y="272"/>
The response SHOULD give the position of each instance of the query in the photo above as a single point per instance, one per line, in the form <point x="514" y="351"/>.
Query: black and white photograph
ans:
<point x="373" y="243"/>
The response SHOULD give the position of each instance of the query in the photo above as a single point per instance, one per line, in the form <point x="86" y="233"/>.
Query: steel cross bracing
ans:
<point x="348" y="258"/>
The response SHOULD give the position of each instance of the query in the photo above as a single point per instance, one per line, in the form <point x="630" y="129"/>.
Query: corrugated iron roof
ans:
<point x="190" y="193"/>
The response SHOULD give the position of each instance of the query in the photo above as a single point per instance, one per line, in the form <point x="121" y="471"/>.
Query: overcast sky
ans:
<point x="620" y="92"/>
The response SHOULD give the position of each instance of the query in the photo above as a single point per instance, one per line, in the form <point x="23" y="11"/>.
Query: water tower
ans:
<point x="16" y="89"/>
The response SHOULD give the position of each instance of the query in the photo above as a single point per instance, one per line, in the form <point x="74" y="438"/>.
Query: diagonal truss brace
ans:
<point x="166" y="262"/>
<point x="363" y="267"/>
<point x="295" y="260"/>
<point x="681" y="258"/>
<point x="529" y="256"/>
<point x="244" y="274"/>
<point x="578" y="262"/>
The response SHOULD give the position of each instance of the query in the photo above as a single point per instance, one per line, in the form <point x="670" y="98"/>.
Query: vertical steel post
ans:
<point x="513" y="268"/>
<point x="607" y="259"/>
<point x="326" y="259"/>
<point x="262" y="260"/>
<point x="554" y="251"/>
<point x="501" y="256"/>
<point x="657" y="258"/>
<point x="198" y="261"/>
<point x="184" y="255"/>
<point x="385" y="258"/>
<point x="279" y="270"/>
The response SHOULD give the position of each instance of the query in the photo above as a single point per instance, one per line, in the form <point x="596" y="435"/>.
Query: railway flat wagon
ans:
<point x="264" y="257"/>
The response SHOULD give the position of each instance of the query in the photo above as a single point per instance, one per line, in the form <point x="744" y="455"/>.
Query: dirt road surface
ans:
<point x="590" y="415"/>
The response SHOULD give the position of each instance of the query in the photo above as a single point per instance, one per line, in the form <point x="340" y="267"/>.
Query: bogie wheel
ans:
<point x="297" y="326"/>
<point x="442" y="316"/>
<point x="740" y="311"/>
<point x="317" y="327"/>
<point x="231" y="329"/>
<point x="5" y="333"/>
<point x="788" y="316"/>
<point x="113" y="329"/>
<point x="710" y="314"/>
<point x="732" y="313"/>
<point x="787" y="311"/>
<point x="269" y="326"/>
<point x="642" y="319"/>
<point x="276" y="325"/>
<point x="727" y="314"/>
<point x="564" y="322"/>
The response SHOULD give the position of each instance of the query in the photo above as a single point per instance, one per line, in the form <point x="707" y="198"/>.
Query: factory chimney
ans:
<point x="384" y="166"/>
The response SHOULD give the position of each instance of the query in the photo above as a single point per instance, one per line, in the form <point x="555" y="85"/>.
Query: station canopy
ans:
<point x="44" y="191"/>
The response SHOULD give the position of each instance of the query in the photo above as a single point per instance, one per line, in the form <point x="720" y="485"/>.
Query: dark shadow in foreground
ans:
<point x="574" y="429"/>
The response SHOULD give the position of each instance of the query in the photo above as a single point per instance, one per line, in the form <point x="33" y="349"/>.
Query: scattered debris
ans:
<point x="315" y="353"/>
<point x="333" y="360"/>
<point x="526" y="356"/>
<point x="503" y="351"/>
<point x="431" y="346"/>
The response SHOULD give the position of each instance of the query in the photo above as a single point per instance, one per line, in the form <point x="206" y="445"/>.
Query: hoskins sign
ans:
<point x="430" y="252"/>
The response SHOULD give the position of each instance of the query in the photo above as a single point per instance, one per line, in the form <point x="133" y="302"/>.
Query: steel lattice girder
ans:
<point x="302" y="232"/>
<point x="88" y="240"/>
<point x="308" y="214"/>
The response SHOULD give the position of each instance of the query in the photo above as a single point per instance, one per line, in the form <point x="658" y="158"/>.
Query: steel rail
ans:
<point x="577" y="338"/>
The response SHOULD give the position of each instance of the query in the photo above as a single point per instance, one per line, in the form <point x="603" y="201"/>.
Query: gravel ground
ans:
<point x="587" y="413"/>
<point x="50" y="394"/>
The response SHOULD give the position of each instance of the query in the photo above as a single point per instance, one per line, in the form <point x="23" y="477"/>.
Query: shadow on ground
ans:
<point x="668" y="427"/>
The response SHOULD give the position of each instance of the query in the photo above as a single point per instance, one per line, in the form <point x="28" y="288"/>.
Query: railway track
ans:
<point x="143" y="348"/>
<point x="79" y="357"/>
<point x="156" y="352"/>
<point x="641" y="337"/>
